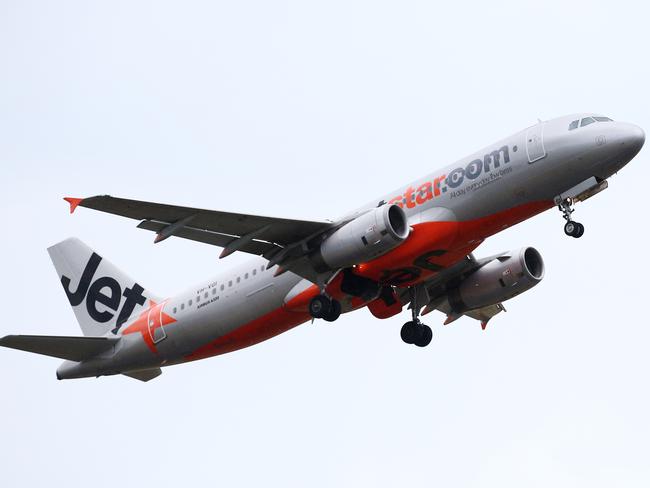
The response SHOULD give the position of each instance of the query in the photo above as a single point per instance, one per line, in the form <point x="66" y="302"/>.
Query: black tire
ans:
<point x="334" y="312"/>
<point x="424" y="337"/>
<point x="579" y="231"/>
<point x="319" y="306"/>
<point x="570" y="228"/>
<point x="409" y="332"/>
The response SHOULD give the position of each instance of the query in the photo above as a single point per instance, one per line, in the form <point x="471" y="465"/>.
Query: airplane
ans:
<point x="409" y="248"/>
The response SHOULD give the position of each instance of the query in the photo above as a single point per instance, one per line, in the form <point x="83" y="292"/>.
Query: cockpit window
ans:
<point x="587" y="121"/>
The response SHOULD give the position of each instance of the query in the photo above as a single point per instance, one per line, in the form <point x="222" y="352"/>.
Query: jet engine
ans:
<point x="366" y="237"/>
<point x="503" y="278"/>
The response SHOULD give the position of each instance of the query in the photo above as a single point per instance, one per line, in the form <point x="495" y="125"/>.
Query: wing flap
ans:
<point x="70" y="348"/>
<point x="209" y="237"/>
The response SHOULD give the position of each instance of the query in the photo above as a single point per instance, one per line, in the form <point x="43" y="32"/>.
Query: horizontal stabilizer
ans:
<point x="71" y="348"/>
<point x="144" y="374"/>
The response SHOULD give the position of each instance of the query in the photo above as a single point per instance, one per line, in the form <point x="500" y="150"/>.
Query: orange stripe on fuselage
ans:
<point x="276" y="322"/>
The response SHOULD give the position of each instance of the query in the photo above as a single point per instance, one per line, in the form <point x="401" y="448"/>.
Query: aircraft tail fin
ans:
<point x="102" y="296"/>
<point x="70" y="348"/>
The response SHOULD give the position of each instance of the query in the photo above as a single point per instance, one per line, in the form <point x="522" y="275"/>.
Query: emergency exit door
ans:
<point x="535" y="143"/>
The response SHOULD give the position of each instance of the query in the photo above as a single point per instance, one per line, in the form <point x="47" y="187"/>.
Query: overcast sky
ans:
<point x="307" y="110"/>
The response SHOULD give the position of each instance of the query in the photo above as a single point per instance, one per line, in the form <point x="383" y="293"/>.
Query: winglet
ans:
<point x="484" y="324"/>
<point x="74" y="203"/>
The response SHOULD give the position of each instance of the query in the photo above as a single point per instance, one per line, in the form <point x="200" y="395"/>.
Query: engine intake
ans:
<point x="366" y="237"/>
<point x="501" y="279"/>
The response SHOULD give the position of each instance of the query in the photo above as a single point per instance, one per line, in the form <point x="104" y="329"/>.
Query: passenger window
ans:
<point x="189" y="303"/>
<point x="587" y="121"/>
<point x="182" y="306"/>
<point x="254" y="272"/>
<point x="174" y="309"/>
<point x="214" y="291"/>
<point x="230" y="283"/>
<point x="574" y="124"/>
<point x="198" y="298"/>
<point x="238" y="279"/>
<point x="262" y="268"/>
<point x="223" y="287"/>
<point x="246" y="276"/>
<point x="206" y="295"/>
<point x="603" y="119"/>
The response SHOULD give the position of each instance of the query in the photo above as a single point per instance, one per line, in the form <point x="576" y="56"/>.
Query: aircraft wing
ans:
<point x="278" y="240"/>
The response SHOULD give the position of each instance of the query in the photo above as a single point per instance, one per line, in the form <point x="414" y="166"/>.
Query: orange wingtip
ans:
<point x="74" y="203"/>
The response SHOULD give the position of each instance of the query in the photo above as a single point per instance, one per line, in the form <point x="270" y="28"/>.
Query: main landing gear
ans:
<point x="571" y="228"/>
<point x="324" y="307"/>
<point x="414" y="331"/>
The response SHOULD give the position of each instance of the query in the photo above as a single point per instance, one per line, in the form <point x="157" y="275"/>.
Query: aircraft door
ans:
<point x="535" y="143"/>
<point x="155" y="323"/>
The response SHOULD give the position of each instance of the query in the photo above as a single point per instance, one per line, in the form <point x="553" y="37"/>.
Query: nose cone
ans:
<point x="627" y="141"/>
<point x="616" y="144"/>
<point x="635" y="138"/>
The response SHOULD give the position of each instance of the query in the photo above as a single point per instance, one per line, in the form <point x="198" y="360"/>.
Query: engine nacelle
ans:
<point x="501" y="279"/>
<point x="368" y="236"/>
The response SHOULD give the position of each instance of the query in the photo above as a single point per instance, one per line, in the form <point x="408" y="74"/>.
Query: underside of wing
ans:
<point x="156" y="215"/>
<point x="483" y="314"/>
<point x="278" y="240"/>
<point x="432" y="295"/>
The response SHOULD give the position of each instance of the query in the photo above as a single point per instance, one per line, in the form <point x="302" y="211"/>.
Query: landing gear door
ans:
<point x="535" y="143"/>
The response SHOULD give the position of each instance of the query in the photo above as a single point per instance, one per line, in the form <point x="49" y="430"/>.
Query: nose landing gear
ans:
<point x="571" y="228"/>
<point x="574" y="229"/>
<point x="414" y="331"/>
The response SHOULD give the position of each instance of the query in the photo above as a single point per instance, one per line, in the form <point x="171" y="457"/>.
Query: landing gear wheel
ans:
<point x="334" y="312"/>
<point x="320" y="306"/>
<point x="416" y="333"/>
<point x="574" y="229"/>
<point x="409" y="332"/>
<point x="569" y="228"/>
<point x="425" y="334"/>
<point x="581" y="230"/>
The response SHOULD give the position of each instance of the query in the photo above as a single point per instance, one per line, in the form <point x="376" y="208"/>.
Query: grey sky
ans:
<point x="306" y="110"/>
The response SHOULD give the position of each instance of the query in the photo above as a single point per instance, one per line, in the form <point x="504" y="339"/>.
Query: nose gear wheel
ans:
<point x="574" y="229"/>
<point x="571" y="228"/>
